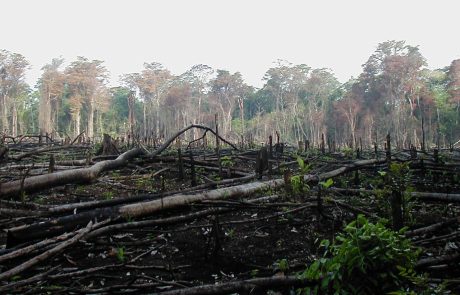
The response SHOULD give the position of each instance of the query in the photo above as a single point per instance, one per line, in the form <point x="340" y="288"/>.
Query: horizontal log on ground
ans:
<point x="419" y="195"/>
<point x="246" y="286"/>
<point x="168" y="220"/>
<point x="437" y="196"/>
<point x="53" y="227"/>
<point x="81" y="175"/>
<point x="59" y="248"/>
<point x="136" y="210"/>
<point x="432" y="227"/>
<point x="450" y="258"/>
<point x="45" y="150"/>
<point x="84" y="175"/>
<point x="59" y="209"/>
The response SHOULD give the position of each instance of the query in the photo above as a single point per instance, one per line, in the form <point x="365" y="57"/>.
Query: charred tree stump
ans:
<point x="108" y="147"/>
<point x="51" y="165"/>
<point x="356" y="180"/>
<point x="396" y="210"/>
<point x="261" y="162"/>
<point x="413" y="152"/>
<point x="180" y="164"/>
<point x="323" y="146"/>
<point x="300" y="146"/>
<point x="270" y="141"/>
<point x="3" y="153"/>
<point x="217" y="145"/>
<point x="376" y="150"/>
<point x="287" y="181"/>
<point x="388" y="149"/>
<point x="192" y="168"/>
<point x="319" y="203"/>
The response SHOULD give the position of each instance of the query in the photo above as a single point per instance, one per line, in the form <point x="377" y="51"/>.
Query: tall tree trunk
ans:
<point x="91" y="118"/>
<point x="4" y="106"/>
<point x="145" y="119"/>
<point x="14" y="124"/>
<point x="77" y="124"/>
<point x="241" y="104"/>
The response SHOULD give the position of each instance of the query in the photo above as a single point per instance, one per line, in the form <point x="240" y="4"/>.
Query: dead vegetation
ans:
<point x="185" y="219"/>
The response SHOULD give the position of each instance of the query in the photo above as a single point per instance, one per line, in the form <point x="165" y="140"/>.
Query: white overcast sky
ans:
<point x="238" y="35"/>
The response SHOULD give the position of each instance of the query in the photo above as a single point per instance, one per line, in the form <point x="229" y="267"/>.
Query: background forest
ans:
<point x="395" y="93"/>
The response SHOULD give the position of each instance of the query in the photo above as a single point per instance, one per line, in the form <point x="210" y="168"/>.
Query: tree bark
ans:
<point x="249" y="286"/>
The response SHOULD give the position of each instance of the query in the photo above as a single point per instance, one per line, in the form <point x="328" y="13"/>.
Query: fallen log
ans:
<point x="53" y="227"/>
<point x="84" y="175"/>
<point x="430" y="261"/>
<point x="146" y="208"/>
<point x="45" y="150"/>
<point x="446" y="197"/>
<point x="249" y="286"/>
<point x="81" y="175"/>
<point x="432" y="227"/>
<point x="28" y="249"/>
<point x="169" y="220"/>
<point x="59" y="248"/>
<point x="57" y="226"/>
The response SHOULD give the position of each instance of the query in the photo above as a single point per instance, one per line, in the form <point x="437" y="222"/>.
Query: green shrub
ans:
<point x="366" y="258"/>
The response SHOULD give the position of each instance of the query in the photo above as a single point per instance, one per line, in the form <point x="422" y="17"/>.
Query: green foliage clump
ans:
<point x="348" y="152"/>
<point x="304" y="168"/>
<point x="120" y="253"/>
<point x="397" y="179"/>
<point x="366" y="258"/>
<point x="226" y="161"/>
<point x="297" y="183"/>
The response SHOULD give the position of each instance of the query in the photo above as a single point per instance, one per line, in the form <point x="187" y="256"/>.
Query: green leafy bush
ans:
<point x="366" y="258"/>
<point x="227" y="161"/>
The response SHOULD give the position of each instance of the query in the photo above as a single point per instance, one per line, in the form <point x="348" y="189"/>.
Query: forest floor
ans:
<point x="275" y="231"/>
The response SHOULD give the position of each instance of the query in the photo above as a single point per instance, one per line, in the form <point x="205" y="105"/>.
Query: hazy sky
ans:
<point x="238" y="35"/>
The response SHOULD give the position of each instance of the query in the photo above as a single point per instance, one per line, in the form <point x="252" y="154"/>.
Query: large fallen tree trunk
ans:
<point x="59" y="225"/>
<point x="81" y="175"/>
<point x="85" y="175"/>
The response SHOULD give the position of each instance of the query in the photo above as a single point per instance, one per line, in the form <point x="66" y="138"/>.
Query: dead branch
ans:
<point x="432" y="227"/>
<point x="37" y="259"/>
<point x="45" y="150"/>
<point x="174" y="201"/>
<point x="142" y="209"/>
<point x="81" y="175"/>
<point x="437" y="260"/>
<point x="27" y="250"/>
<point x="249" y="286"/>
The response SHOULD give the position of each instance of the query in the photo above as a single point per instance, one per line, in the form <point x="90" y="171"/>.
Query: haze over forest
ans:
<point x="288" y="69"/>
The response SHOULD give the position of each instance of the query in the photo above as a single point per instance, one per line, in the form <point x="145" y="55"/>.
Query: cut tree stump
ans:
<point x="108" y="147"/>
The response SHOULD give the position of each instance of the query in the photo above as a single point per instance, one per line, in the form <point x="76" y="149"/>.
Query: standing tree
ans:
<point x="12" y="86"/>
<point x="391" y="84"/>
<point x="51" y="86"/>
<point x="152" y="85"/>
<point x="227" y="89"/>
<point x="86" y="80"/>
